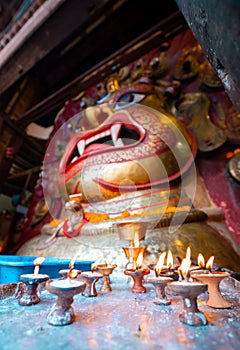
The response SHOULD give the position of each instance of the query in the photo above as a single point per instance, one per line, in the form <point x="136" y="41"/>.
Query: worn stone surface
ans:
<point x="11" y="290"/>
<point x="119" y="320"/>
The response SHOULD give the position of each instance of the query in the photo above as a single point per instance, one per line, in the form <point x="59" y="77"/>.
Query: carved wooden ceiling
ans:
<point x="44" y="55"/>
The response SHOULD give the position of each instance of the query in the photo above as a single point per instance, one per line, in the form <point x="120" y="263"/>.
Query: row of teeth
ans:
<point x="113" y="132"/>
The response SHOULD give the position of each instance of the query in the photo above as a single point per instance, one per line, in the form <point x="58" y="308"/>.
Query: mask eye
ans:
<point x="127" y="99"/>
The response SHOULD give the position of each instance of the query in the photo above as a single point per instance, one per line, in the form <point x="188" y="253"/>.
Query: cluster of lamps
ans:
<point x="71" y="283"/>
<point x="184" y="279"/>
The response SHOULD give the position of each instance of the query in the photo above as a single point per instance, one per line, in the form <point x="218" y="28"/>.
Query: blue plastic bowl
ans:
<point x="12" y="266"/>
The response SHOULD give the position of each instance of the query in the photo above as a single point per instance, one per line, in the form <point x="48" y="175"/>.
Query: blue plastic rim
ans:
<point x="12" y="266"/>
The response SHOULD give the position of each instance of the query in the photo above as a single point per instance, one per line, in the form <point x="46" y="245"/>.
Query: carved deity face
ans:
<point x="128" y="143"/>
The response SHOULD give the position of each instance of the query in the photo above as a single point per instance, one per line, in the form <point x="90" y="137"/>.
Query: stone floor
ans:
<point x="120" y="320"/>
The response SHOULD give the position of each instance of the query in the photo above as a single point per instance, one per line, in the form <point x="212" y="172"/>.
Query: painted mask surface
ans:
<point x="127" y="143"/>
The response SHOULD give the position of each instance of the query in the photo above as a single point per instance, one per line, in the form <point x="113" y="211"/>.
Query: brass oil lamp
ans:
<point x="138" y="275"/>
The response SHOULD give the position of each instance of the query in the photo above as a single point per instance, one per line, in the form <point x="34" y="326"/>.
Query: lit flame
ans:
<point x="169" y="259"/>
<point x="201" y="260"/>
<point x="71" y="264"/>
<point x="37" y="262"/>
<point x="73" y="273"/>
<point x="184" y="268"/>
<point x="136" y="240"/>
<point x="94" y="267"/>
<point x="188" y="253"/>
<point x="139" y="260"/>
<point x="209" y="263"/>
<point x="159" y="264"/>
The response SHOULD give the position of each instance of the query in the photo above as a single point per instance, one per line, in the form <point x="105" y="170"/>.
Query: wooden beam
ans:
<point x="163" y="31"/>
<point x="26" y="162"/>
<point x="53" y="32"/>
<point x="18" y="129"/>
<point x="5" y="163"/>
<point x="29" y="28"/>
<point x="23" y="173"/>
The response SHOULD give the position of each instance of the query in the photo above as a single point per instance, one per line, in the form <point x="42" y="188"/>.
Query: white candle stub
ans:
<point x="37" y="262"/>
